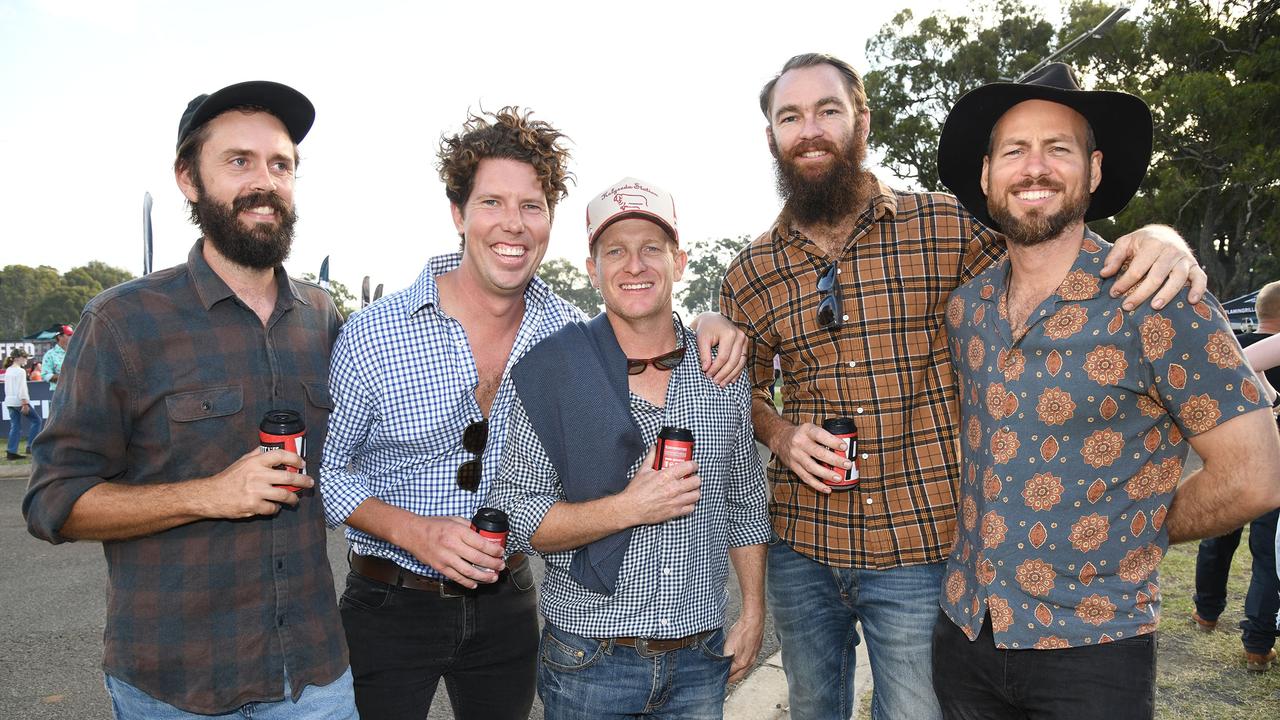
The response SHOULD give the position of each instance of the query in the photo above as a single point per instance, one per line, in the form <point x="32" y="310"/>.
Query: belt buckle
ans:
<point x="642" y="648"/>
<point x="447" y="590"/>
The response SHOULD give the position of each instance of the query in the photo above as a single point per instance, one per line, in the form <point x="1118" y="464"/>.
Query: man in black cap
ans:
<point x="1074" y="414"/>
<point x="221" y="601"/>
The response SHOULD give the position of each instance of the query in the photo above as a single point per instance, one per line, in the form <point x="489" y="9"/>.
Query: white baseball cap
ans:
<point x="627" y="198"/>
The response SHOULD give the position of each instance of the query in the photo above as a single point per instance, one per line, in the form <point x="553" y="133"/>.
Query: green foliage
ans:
<point x="32" y="299"/>
<point x="1210" y="70"/>
<point x="705" y="272"/>
<point x="342" y="297"/>
<point x="572" y="284"/>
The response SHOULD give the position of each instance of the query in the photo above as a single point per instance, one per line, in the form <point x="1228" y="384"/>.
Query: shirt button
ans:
<point x="864" y="456"/>
<point x="663" y="622"/>
<point x="859" y="411"/>
<point x="852" y="364"/>
<point x="666" y="571"/>
<point x="280" y="621"/>
<point x="869" y="501"/>
<point x="845" y="318"/>
<point x="206" y="405"/>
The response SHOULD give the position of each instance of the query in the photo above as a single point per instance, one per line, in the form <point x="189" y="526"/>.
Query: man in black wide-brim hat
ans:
<point x="1074" y="413"/>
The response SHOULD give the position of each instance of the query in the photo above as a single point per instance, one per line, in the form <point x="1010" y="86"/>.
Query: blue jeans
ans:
<point x="15" y="427"/>
<point x="583" y="678"/>
<point x="1262" y="602"/>
<point x="334" y="701"/>
<point x="815" y="608"/>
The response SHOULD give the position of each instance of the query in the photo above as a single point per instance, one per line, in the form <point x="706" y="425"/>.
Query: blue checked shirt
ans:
<point x="672" y="580"/>
<point x="403" y="381"/>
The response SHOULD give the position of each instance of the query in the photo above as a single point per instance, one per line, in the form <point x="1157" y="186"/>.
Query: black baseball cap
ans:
<point x="292" y="107"/>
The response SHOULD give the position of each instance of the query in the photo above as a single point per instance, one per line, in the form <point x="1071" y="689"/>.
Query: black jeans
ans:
<point x="484" y="644"/>
<point x="1213" y="565"/>
<point x="977" y="681"/>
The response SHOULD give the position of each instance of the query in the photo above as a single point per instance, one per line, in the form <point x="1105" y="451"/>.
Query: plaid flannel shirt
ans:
<point x="167" y="378"/>
<point x="887" y="367"/>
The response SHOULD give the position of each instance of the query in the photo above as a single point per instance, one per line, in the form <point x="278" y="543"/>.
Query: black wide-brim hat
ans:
<point x="1121" y="126"/>
<point x="292" y="107"/>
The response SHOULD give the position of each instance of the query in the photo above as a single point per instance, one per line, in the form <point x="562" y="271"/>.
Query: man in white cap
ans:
<point x="636" y="557"/>
<point x="1076" y="417"/>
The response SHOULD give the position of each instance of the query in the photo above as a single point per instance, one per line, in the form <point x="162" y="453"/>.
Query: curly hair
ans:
<point x="507" y="134"/>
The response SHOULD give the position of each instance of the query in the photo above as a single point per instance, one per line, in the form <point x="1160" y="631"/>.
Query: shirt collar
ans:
<point x="884" y="206"/>
<point x="213" y="289"/>
<point x="1082" y="282"/>
<point x="425" y="292"/>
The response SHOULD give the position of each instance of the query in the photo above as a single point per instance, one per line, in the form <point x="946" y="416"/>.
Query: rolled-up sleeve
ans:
<point x="85" y="442"/>
<point x="527" y="484"/>
<point x="746" y="496"/>
<point x="342" y="486"/>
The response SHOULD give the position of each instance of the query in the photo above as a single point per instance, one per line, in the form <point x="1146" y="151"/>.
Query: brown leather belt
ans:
<point x="386" y="571"/>
<point x="650" y="646"/>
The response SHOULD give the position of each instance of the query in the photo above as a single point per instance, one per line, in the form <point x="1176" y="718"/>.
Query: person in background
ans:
<point x="17" y="402"/>
<point x="1213" y="560"/>
<point x="35" y="372"/>
<point x="53" y="359"/>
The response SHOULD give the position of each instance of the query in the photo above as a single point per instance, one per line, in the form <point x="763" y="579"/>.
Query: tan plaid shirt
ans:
<point x="887" y="367"/>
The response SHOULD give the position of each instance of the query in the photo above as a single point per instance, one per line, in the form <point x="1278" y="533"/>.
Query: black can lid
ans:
<point x="675" y="433"/>
<point x="490" y="520"/>
<point x="282" y="422"/>
<point x="839" y="426"/>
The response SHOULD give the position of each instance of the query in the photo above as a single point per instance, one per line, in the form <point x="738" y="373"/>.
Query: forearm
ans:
<point x="569" y="526"/>
<point x="113" y="511"/>
<point x="383" y="520"/>
<point x="769" y="425"/>
<point x="749" y="565"/>
<point x="1264" y="354"/>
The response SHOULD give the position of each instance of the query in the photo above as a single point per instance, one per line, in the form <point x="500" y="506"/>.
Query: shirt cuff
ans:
<point x="525" y="519"/>
<point x="342" y="494"/>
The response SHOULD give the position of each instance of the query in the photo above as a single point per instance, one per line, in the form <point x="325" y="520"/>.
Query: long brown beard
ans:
<point x="842" y="190"/>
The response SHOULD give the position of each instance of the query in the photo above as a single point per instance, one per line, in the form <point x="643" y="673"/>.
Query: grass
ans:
<point x="22" y="450"/>
<point x="1200" y="676"/>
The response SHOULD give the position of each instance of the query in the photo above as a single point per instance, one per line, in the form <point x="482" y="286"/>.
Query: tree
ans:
<point x="106" y="275"/>
<point x="705" y="272"/>
<point x="21" y="287"/>
<point x="342" y="297"/>
<point x="572" y="284"/>
<point x="1209" y="69"/>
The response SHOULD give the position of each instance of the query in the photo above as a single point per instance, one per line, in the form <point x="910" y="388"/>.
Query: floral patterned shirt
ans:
<point x="1073" y="442"/>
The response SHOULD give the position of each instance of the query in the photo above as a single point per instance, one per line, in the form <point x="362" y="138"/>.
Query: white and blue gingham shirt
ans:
<point x="403" y="381"/>
<point x="672" y="580"/>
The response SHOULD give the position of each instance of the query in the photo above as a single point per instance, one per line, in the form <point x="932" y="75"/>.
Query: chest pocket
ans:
<point x="204" y="404"/>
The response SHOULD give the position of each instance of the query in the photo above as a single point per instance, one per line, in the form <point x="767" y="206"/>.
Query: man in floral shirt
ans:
<point x="1076" y="418"/>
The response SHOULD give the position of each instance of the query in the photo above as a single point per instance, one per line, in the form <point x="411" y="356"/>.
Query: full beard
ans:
<point x="841" y="190"/>
<point x="261" y="246"/>
<point x="1036" y="227"/>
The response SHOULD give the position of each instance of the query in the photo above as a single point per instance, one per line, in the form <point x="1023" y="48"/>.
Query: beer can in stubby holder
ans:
<point x="283" y="429"/>
<point x="675" y="445"/>
<point x="845" y="429"/>
<point x="491" y="523"/>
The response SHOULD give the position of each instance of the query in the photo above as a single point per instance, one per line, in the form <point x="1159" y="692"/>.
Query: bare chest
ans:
<point x="651" y="385"/>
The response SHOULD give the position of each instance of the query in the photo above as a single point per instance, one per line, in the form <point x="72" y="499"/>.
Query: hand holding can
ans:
<point x="284" y="429"/>
<point x="846" y="430"/>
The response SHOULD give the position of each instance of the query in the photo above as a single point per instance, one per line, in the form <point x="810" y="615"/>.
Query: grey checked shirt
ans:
<point x="672" y="580"/>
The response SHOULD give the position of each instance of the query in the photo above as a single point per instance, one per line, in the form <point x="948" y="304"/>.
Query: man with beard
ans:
<point x="1074" y="413"/>
<point x="221" y="600"/>
<point x="849" y="288"/>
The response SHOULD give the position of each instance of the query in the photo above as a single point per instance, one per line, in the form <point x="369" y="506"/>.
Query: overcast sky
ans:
<point x="91" y="92"/>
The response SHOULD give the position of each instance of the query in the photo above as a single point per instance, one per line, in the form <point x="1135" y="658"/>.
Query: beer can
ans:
<point x="491" y="523"/>
<point x="284" y="429"/>
<point x="845" y="429"/>
<point x="675" y="445"/>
